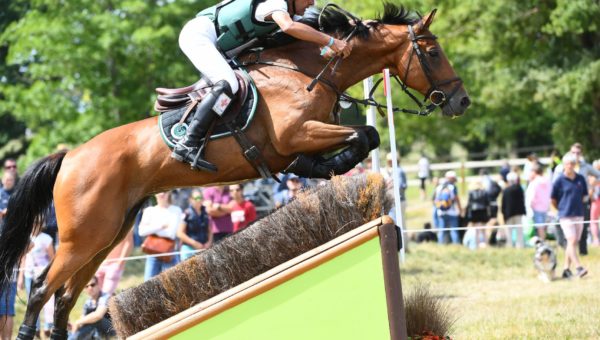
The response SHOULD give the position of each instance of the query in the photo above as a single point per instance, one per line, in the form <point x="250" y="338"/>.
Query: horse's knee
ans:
<point x="373" y="137"/>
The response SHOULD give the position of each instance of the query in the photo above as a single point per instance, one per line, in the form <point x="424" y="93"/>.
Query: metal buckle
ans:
<point x="437" y="97"/>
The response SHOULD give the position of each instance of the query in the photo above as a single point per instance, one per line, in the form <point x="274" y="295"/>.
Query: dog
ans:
<point x="544" y="260"/>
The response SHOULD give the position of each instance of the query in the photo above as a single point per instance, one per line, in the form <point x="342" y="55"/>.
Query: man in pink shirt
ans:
<point x="538" y="198"/>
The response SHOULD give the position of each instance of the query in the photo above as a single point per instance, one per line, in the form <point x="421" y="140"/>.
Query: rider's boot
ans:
<point x="188" y="149"/>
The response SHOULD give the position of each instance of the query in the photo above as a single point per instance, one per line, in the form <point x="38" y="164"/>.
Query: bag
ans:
<point x="444" y="198"/>
<point x="154" y="244"/>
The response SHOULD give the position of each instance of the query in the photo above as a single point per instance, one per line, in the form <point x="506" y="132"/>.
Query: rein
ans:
<point x="436" y="96"/>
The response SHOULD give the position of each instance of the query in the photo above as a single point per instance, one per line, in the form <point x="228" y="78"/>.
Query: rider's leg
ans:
<point x="198" y="41"/>
<point x="189" y="148"/>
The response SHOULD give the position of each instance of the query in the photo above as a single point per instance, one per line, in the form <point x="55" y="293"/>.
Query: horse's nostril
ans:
<point x="465" y="102"/>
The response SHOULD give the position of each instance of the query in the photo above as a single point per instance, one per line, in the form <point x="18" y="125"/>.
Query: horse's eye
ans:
<point x="433" y="53"/>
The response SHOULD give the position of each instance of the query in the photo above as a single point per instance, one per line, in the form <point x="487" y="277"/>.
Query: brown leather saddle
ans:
<point x="177" y="107"/>
<point x="189" y="96"/>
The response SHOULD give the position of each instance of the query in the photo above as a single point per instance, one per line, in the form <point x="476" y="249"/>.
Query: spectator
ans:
<point x="40" y="254"/>
<point x="427" y="235"/>
<point x="111" y="270"/>
<point x="478" y="214"/>
<point x="95" y="322"/>
<point x="569" y="192"/>
<point x="448" y="208"/>
<point x="402" y="185"/>
<point x="243" y="211"/>
<point x="538" y="199"/>
<point x="585" y="170"/>
<point x="161" y="220"/>
<point x="493" y="190"/>
<point x="423" y="174"/>
<point x="216" y="201"/>
<point x="10" y="166"/>
<point x="513" y="210"/>
<point x="7" y="296"/>
<point x="554" y="160"/>
<point x="194" y="231"/>
<point x="8" y="186"/>
<point x="7" y="306"/>
<point x="504" y="170"/>
<point x="51" y="226"/>
<point x="530" y="162"/>
<point x="595" y="206"/>
<point x="294" y="185"/>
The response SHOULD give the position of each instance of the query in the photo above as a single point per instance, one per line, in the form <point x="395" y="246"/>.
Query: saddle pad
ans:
<point x="171" y="131"/>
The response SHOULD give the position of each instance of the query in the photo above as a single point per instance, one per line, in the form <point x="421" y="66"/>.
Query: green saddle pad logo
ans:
<point x="178" y="130"/>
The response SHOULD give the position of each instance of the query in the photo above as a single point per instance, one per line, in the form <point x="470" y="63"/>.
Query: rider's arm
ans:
<point x="304" y="32"/>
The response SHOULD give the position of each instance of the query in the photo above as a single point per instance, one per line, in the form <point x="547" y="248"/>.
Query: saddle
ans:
<point x="173" y="99"/>
<point x="176" y="107"/>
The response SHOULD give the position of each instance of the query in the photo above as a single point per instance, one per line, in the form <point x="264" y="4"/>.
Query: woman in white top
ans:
<point x="162" y="220"/>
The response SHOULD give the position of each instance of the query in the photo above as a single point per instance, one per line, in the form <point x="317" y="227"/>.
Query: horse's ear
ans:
<point x="427" y="20"/>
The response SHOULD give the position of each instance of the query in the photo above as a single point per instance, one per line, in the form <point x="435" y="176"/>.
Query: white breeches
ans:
<point x="198" y="40"/>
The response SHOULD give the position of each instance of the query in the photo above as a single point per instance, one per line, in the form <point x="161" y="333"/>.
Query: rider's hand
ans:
<point x="341" y="48"/>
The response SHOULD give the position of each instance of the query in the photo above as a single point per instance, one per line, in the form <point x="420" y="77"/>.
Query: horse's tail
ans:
<point x="27" y="205"/>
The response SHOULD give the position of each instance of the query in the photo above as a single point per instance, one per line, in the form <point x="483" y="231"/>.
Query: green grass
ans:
<point x="494" y="292"/>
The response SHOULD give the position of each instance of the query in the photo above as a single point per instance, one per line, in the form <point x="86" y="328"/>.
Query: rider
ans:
<point x="222" y="28"/>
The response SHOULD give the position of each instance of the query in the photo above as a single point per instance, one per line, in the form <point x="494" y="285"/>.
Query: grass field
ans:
<point x="493" y="292"/>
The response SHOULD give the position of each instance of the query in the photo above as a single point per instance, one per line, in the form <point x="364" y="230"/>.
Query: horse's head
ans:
<point x="423" y="66"/>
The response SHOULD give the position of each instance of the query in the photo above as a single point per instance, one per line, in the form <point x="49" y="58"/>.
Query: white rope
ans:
<point x="406" y="231"/>
<point x="520" y="225"/>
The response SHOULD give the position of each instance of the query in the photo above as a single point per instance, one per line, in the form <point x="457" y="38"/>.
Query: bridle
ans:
<point x="435" y="95"/>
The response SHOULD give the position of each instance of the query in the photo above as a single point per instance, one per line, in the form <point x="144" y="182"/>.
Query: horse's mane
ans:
<point x="336" y="21"/>
<point x="339" y="22"/>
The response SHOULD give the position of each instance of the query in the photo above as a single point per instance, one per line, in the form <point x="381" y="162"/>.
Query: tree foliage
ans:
<point x="532" y="69"/>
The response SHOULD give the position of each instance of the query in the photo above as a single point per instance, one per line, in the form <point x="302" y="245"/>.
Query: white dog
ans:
<point x="544" y="259"/>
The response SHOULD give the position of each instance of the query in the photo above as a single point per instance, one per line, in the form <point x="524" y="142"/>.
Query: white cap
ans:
<point x="450" y="174"/>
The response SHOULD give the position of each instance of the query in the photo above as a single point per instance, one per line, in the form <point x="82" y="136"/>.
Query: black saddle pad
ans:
<point x="172" y="131"/>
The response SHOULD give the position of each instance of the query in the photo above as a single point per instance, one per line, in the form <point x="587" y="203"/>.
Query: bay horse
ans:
<point x="99" y="187"/>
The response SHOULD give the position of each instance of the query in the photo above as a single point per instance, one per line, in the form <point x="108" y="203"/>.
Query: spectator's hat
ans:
<point x="450" y="174"/>
<point x="293" y="177"/>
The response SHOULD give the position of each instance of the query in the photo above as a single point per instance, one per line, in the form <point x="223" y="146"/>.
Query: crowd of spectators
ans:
<point x="564" y="194"/>
<point x="566" y="191"/>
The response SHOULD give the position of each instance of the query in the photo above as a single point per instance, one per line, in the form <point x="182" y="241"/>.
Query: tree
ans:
<point x="12" y="131"/>
<point x="92" y="65"/>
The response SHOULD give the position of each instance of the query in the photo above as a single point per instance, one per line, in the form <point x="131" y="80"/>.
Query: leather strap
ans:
<point x="252" y="153"/>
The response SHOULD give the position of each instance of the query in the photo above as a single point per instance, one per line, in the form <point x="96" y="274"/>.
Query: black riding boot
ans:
<point x="189" y="148"/>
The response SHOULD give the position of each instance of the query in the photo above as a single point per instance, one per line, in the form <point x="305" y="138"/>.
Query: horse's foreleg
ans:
<point x="359" y="145"/>
<point x="360" y="140"/>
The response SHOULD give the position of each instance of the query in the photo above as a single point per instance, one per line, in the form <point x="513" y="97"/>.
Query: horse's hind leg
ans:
<point x="34" y="306"/>
<point x="74" y="286"/>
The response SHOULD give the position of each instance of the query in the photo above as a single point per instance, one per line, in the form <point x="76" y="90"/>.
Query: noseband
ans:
<point x="435" y="95"/>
